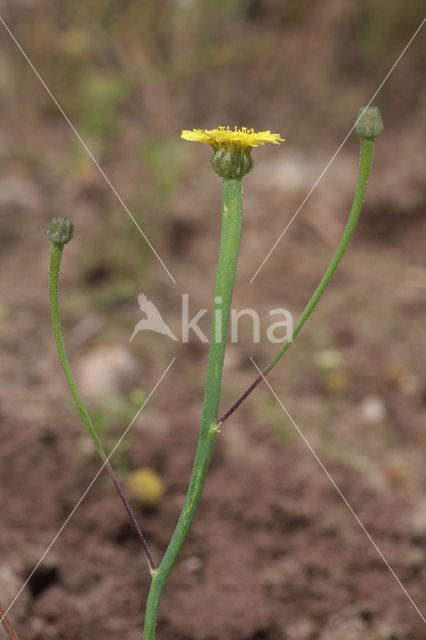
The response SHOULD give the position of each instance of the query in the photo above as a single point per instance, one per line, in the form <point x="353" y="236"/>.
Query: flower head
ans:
<point x="232" y="148"/>
<point x="225" y="136"/>
<point x="60" y="231"/>
<point x="369" y="122"/>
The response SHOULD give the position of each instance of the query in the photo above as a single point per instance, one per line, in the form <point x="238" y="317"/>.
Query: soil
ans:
<point x="273" y="553"/>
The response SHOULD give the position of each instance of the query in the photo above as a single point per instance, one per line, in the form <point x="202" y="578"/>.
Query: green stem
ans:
<point x="366" y="159"/>
<point x="54" y="268"/>
<point x="56" y="250"/>
<point x="225" y="276"/>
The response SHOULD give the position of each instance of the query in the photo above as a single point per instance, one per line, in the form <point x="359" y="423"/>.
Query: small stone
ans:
<point x="373" y="409"/>
<point x="106" y="370"/>
<point x="193" y="564"/>
<point x="417" y="523"/>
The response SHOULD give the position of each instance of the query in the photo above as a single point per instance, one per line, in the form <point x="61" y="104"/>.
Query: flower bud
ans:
<point x="232" y="161"/>
<point x="369" y="122"/>
<point x="60" y="231"/>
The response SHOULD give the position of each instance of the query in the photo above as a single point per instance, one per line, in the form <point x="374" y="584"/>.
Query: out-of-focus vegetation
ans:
<point x="131" y="75"/>
<point x="186" y="61"/>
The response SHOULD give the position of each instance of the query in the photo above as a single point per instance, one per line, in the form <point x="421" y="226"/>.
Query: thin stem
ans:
<point x="366" y="159"/>
<point x="7" y="625"/>
<point x="54" y="268"/>
<point x="225" y="276"/>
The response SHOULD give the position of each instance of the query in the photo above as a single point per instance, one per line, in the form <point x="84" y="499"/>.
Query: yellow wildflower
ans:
<point x="225" y="136"/>
<point x="232" y="148"/>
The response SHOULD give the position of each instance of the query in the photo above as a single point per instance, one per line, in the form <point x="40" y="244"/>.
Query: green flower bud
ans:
<point x="60" y="231"/>
<point x="232" y="161"/>
<point x="369" y="122"/>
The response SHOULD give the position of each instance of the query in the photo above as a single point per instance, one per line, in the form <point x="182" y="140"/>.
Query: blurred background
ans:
<point x="273" y="553"/>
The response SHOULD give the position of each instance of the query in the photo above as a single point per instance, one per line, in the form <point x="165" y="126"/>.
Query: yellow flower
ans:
<point x="232" y="148"/>
<point x="243" y="138"/>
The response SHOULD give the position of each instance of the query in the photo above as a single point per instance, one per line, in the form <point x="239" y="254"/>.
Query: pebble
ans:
<point x="373" y="409"/>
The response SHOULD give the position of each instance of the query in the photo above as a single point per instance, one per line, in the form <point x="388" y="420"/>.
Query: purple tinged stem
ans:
<point x="132" y="517"/>
<point x="240" y="400"/>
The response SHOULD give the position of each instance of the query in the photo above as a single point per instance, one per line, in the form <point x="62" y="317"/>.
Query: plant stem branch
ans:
<point x="366" y="159"/>
<point x="225" y="276"/>
<point x="7" y="625"/>
<point x="54" y="268"/>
